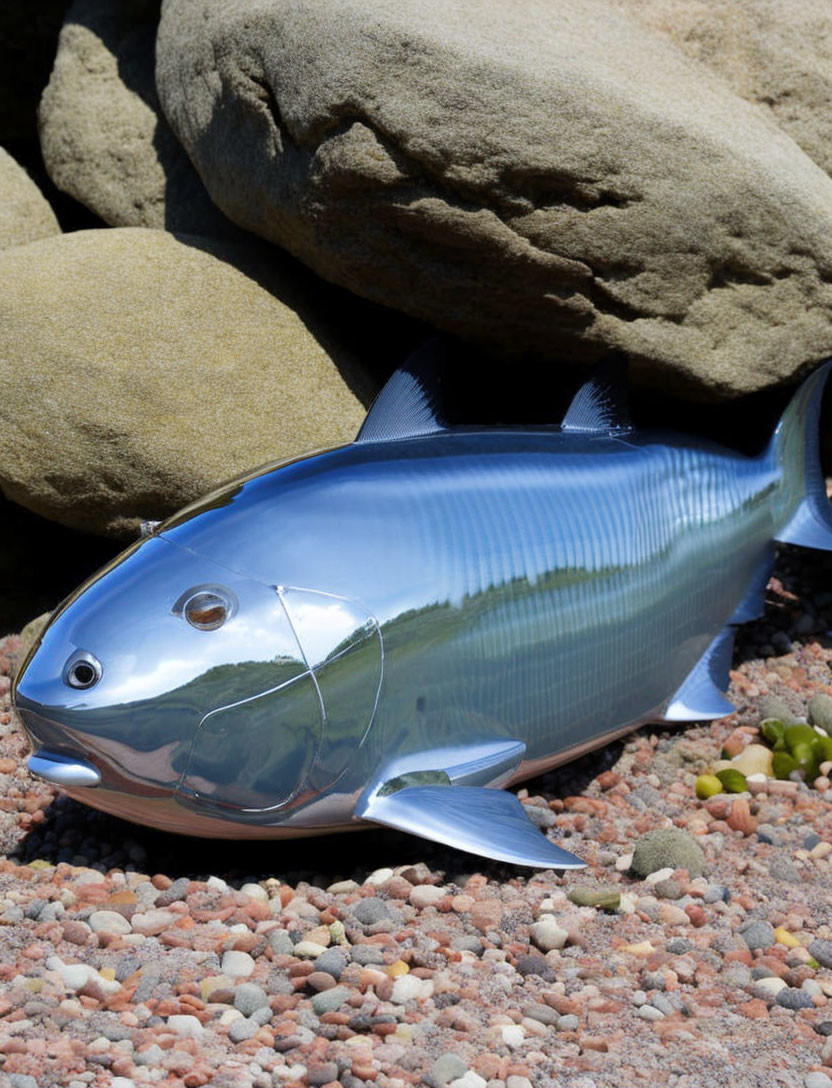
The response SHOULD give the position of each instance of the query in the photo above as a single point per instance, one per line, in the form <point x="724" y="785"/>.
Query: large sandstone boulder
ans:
<point x="777" y="53"/>
<point x="547" y="176"/>
<point x="103" y="138"/>
<point x="140" y="368"/>
<point x="25" y="215"/>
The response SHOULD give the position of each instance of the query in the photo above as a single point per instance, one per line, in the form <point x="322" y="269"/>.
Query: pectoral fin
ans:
<point x="488" y="822"/>
<point x="702" y="697"/>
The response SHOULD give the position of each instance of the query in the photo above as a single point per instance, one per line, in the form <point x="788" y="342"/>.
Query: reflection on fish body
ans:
<point x="393" y="630"/>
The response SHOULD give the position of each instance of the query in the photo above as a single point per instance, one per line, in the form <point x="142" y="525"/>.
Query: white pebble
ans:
<point x="217" y="884"/>
<point x="237" y="964"/>
<point x="341" y="887"/>
<point x="514" y="1035"/>
<point x="547" y="934"/>
<point x="409" y="988"/>
<point x="659" y="875"/>
<point x="255" y="891"/>
<point x="624" y="862"/>
<point x="229" y="1016"/>
<point x="380" y="876"/>
<point x="649" y="1012"/>
<point x="469" y="1080"/>
<point x="188" y="1027"/>
<point x="76" y="975"/>
<point x="426" y="895"/>
<point x="153" y="922"/>
<point x="308" y="950"/>
<point x="108" y="921"/>
<point x="771" y="986"/>
<point x="122" y="1082"/>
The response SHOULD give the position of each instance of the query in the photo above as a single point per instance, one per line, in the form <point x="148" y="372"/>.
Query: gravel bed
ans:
<point x="696" y="948"/>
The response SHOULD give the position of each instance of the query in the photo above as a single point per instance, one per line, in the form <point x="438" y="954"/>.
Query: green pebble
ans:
<point x="733" y="781"/>
<point x="797" y="735"/>
<point x="667" y="848"/>
<point x="707" y="785"/>
<point x="607" y="899"/>
<point x="773" y="731"/>
<point x="782" y="764"/>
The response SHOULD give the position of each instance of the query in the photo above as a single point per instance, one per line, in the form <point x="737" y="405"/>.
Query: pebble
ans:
<point x="308" y="950"/>
<point x="409" y="988"/>
<point x="186" y="1026"/>
<point x="108" y="921"/>
<point x="821" y="951"/>
<point x="791" y="998"/>
<point x="242" y="1029"/>
<point x="367" y="954"/>
<point x="513" y="1035"/>
<point x="820" y="711"/>
<point x="546" y="934"/>
<point x="249" y="997"/>
<point x="781" y="868"/>
<point x="372" y="910"/>
<point x="469" y="1080"/>
<point x="446" y="1068"/>
<point x="333" y="962"/>
<point x="330" y="1000"/>
<point x="281" y="943"/>
<point x="667" y="848"/>
<point x="237" y="964"/>
<point x="769" y="987"/>
<point x="426" y="895"/>
<point x="757" y="934"/>
<point x="817" y="1080"/>
<point x="649" y="1012"/>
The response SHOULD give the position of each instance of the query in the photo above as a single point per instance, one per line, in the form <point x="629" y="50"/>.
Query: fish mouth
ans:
<point x="62" y="770"/>
<point x="56" y="757"/>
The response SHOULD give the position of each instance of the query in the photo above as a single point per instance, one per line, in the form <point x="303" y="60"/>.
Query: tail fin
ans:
<point x="803" y="511"/>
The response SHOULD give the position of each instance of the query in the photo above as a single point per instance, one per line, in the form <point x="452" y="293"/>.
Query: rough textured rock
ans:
<point x="667" y="848"/>
<point x="548" y="176"/>
<point x="28" y="33"/>
<point x="103" y="138"/>
<point x="25" y="215"/>
<point x="777" y="53"/>
<point x="140" y="368"/>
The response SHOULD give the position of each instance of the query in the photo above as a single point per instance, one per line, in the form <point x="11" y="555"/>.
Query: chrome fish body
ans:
<point x="411" y="621"/>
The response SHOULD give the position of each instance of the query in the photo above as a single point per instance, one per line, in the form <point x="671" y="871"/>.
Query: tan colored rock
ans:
<point x="102" y="134"/>
<point x="776" y="53"/>
<point x="25" y="214"/>
<point x="547" y="176"/>
<point x="140" y="368"/>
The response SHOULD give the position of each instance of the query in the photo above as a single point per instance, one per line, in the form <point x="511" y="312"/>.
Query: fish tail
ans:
<point x="803" y="514"/>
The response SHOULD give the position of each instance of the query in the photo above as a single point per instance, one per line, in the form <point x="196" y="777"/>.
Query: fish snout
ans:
<point x="57" y="756"/>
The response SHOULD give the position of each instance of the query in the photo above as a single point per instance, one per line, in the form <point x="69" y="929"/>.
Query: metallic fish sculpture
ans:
<point x="394" y="630"/>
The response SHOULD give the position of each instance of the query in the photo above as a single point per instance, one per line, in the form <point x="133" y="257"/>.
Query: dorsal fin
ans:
<point x="600" y="405"/>
<point x="412" y="401"/>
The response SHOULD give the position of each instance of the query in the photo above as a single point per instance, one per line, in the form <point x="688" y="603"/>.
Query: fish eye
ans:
<point x="83" y="670"/>
<point x="206" y="607"/>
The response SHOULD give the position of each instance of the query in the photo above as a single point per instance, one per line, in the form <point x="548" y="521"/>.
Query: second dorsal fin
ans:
<point x="412" y="401"/>
<point x="600" y="405"/>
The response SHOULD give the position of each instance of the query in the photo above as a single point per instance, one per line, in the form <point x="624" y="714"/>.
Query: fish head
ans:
<point x="156" y="644"/>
